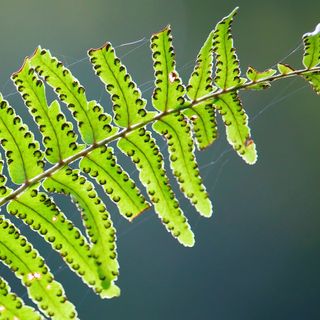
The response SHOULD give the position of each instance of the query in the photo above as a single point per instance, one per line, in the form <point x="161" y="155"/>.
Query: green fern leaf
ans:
<point x="144" y="152"/>
<point x="169" y="90"/>
<point x="43" y="216"/>
<point x="101" y="165"/>
<point x="58" y="135"/>
<point x="257" y="76"/>
<point x="203" y="120"/>
<point x="13" y="307"/>
<point x="311" y="40"/>
<point x="284" y="68"/>
<point x="97" y="222"/>
<point x="227" y="63"/>
<point x="94" y="125"/>
<point x="202" y="115"/>
<point x="4" y="190"/>
<point x="314" y="80"/>
<point x="141" y="147"/>
<point x="176" y="130"/>
<point x="238" y="133"/>
<point x="17" y="253"/>
<point x="128" y="104"/>
<point x="23" y="155"/>
<point x="254" y="75"/>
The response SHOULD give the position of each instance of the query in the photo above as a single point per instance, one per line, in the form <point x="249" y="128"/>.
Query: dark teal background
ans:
<point x="259" y="256"/>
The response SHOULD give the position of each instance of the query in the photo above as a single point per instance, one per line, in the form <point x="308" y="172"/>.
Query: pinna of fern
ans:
<point x="184" y="115"/>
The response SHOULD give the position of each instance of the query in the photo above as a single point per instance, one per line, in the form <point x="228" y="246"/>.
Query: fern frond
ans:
<point x="40" y="212"/>
<point x="97" y="222"/>
<point x="178" y="113"/>
<point x="200" y="84"/>
<point x="227" y="63"/>
<point x="311" y="56"/>
<point x="18" y="254"/>
<point x="236" y="121"/>
<point x="128" y="104"/>
<point x="13" y="307"/>
<point x="177" y="132"/>
<point x="94" y="124"/>
<point x="23" y="155"/>
<point x="169" y="90"/>
<point x="144" y="152"/>
<point x="101" y="165"/>
<point x="58" y="136"/>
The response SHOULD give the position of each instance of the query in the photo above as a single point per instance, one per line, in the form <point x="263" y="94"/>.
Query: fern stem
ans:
<point x="47" y="173"/>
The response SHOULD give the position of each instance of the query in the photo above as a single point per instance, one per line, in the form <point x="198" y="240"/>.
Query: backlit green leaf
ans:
<point x="97" y="221"/>
<point x="177" y="132"/>
<point x="141" y="147"/>
<point x="94" y="124"/>
<point x="236" y="122"/>
<point x="314" y="80"/>
<point x="202" y="116"/>
<point x="227" y="63"/>
<point x="254" y="75"/>
<point x="311" y="56"/>
<point x="39" y="211"/>
<point x="18" y="254"/>
<point x="128" y="104"/>
<point x="101" y="164"/>
<point x="284" y="68"/>
<point x="13" y="307"/>
<point x="58" y="135"/>
<point x="24" y="157"/>
<point x="169" y="90"/>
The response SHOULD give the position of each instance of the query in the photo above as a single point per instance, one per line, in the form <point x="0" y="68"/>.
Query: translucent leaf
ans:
<point x="128" y="104"/>
<point x="254" y="75"/>
<point x="40" y="212"/>
<point x="58" y="135"/>
<point x="284" y="68"/>
<point x="169" y="90"/>
<point x="23" y="155"/>
<point x="4" y="190"/>
<point x="94" y="124"/>
<point x="236" y="121"/>
<point x="227" y="63"/>
<point x="13" y="307"/>
<point x="101" y="164"/>
<point x="311" y="56"/>
<point x="314" y="80"/>
<point x="203" y="119"/>
<point x="97" y="222"/>
<point x="177" y="132"/>
<point x="18" y="254"/>
<point x="202" y="116"/>
<point x="141" y="147"/>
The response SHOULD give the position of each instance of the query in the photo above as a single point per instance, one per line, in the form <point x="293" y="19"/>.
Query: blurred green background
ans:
<point x="259" y="256"/>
